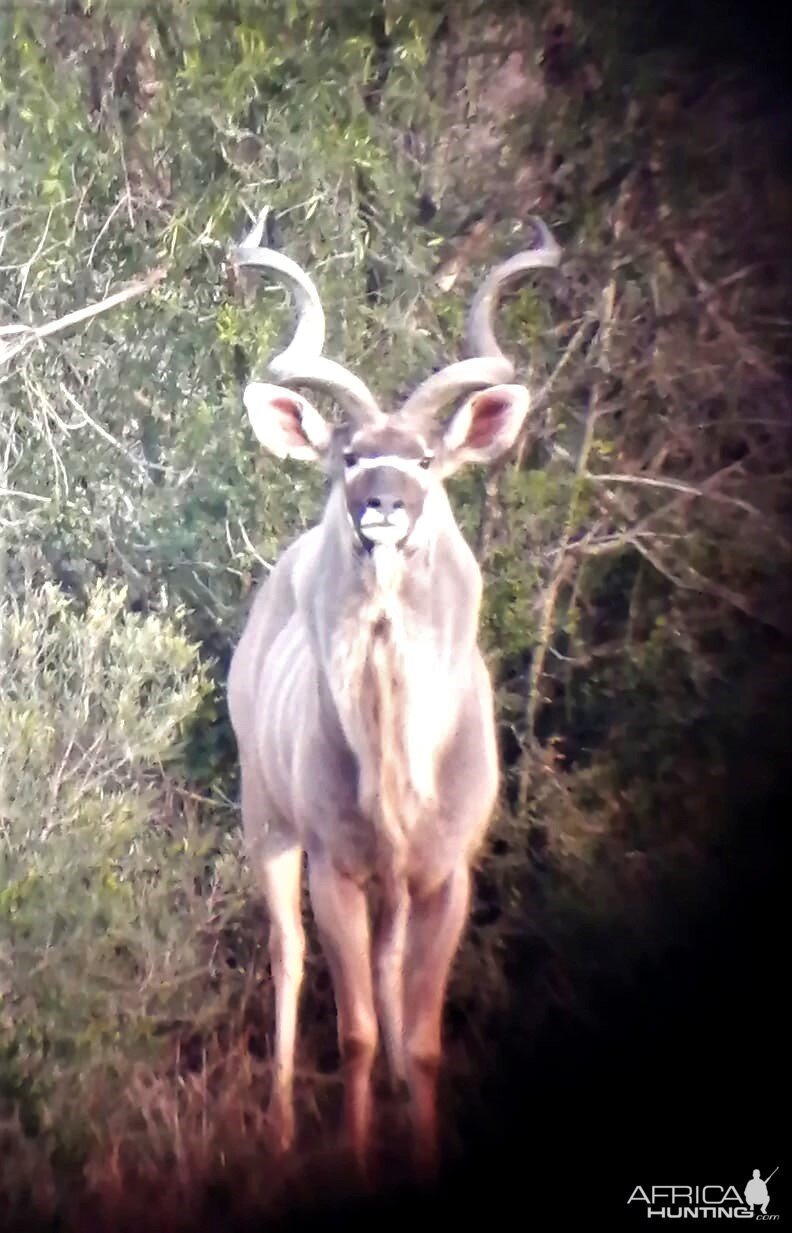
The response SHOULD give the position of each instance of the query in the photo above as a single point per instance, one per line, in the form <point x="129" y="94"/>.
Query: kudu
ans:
<point x="361" y="703"/>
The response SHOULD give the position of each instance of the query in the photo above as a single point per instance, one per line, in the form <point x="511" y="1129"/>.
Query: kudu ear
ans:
<point x="485" y="426"/>
<point x="286" y="424"/>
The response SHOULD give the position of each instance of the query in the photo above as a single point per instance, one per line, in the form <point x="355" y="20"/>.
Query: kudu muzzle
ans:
<point x="384" y="505"/>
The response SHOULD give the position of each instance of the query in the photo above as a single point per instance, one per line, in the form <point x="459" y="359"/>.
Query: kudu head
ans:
<point x="389" y="464"/>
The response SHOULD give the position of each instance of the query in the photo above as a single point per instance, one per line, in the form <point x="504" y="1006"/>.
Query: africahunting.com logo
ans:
<point x="707" y="1202"/>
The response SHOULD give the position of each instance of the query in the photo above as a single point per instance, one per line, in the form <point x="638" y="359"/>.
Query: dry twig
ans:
<point x="33" y="333"/>
<point x="559" y="571"/>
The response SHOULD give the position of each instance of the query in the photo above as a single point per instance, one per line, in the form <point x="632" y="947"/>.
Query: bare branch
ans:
<point x="559" y="572"/>
<point x="691" y="490"/>
<point x="26" y="268"/>
<point x="690" y="579"/>
<point x="17" y="493"/>
<point x="574" y="345"/>
<point x="132" y="291"/>
<point x="593" y="547"/>
<point x="102" y="432"/>
<point x="708" y="299"/>
<point x="124" y="196"/>
<point x="250" y="547"/>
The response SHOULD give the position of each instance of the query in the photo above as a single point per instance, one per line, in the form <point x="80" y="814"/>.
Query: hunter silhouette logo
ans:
<point x="756" y="1191"/>
<point x="713" y="1201"/>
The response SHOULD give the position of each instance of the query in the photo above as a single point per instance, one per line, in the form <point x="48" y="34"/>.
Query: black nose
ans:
<point x="386" y="504"/>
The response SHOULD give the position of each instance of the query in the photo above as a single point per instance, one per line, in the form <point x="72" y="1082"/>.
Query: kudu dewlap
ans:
<point x="360" y="700"/>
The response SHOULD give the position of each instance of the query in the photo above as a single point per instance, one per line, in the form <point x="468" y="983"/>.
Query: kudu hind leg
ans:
<point x="341" y="911"/>
<point x="437" y="919"/>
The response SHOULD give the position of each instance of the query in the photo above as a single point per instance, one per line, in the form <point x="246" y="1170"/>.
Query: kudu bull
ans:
<point x="361" y="703"/>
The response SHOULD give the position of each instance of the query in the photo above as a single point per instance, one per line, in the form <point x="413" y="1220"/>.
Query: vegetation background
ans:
<point x="621" y="959"/>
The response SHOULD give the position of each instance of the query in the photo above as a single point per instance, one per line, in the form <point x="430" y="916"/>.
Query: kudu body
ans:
<point x="361" y="703"/>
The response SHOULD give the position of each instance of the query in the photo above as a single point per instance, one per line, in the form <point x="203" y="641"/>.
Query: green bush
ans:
<point x="107" y="887"/>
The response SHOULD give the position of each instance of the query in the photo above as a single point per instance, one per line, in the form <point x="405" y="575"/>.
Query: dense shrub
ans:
<point x="109" y="891"/>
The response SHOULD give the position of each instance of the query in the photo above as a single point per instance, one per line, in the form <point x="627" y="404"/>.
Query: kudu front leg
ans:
<point x="341" y="911"/>
<point x="437" y="918"/>
<point x="281" y="885"/>
<point x="389" y="948"/>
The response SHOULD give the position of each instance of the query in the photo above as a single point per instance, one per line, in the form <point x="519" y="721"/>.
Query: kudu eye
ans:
<point x="426" y="461"/>
<point x="349" y="458"/>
